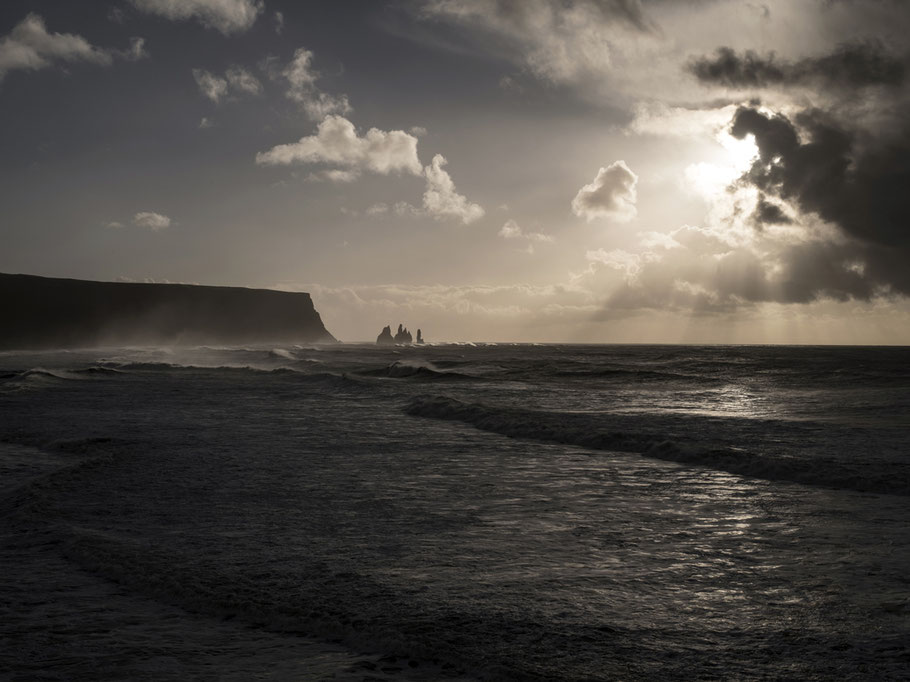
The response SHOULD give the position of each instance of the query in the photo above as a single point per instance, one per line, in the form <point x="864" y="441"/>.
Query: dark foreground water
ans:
<point x="455" y="512"/>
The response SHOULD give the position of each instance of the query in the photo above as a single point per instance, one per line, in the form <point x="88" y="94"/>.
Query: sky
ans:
<point x="595" y="171"/>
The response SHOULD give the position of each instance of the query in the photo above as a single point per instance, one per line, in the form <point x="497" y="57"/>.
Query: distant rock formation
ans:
<point x="42" y="312"/>
<point x="403" y="335"/>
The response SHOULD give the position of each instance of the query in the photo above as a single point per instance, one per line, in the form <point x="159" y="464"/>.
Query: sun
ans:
<point x="733" y="158"/>
<point x="742" y="152"/>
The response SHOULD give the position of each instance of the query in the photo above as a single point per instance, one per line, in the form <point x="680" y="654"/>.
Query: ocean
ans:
<point x="455" y="512"/>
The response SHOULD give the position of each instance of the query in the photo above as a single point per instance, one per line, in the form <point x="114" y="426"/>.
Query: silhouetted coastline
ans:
<point x="42" y="312"/>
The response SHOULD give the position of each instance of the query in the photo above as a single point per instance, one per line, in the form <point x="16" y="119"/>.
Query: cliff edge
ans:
<point x="43" y="312"/>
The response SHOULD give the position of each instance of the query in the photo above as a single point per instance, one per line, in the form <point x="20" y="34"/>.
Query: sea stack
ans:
<point x="42" y="312"/>
<point x="402" y="336"/>
<point x="385" y="337"/>
<point x="419" y="337"/>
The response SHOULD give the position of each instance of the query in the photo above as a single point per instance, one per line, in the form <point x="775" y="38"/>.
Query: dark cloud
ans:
<point x="689" y="279"/>
<point x="863" y="192"/>
<point x="767" y="213"/>
<point x="819" y="269"/>
<point x="816" y="164"/>
<point x="853" y="65"/>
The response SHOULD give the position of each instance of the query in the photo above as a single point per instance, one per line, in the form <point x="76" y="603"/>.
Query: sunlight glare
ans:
<point x="710" y="179"/>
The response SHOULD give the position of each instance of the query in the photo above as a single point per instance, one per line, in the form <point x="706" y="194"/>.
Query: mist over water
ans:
<point x="456" y="512"/>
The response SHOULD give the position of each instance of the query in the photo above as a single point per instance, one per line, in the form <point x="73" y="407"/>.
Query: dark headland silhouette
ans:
<point x="42" y="312"/>
<point x="385" y="337"/>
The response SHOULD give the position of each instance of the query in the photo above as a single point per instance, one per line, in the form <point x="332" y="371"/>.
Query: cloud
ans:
<point x="702" y="271"/>
<point x="30" y="47"/>
<point x="854" y="65"/>
<point x="403" y="208"/>
<point x="337" y="143"/>
<point x="151" y="221"/>
<point x="447" y="312"/>
<point x="611" y="195"/>
<point x="334" y="175"/>
<point x="236" y="80"/>
<point x="657" y="118"/>
<point x="440" y="200"/>
<point x="618" y="259"/>
<point x="279" y="21"/>
<point x="242" y="80"/>
<point x="558" y="40"/>
<point x="818" y="165"/>
<point x="301" y="78"/>
<point x="136" y="50"/>
<point x="512" y="230"/>
<point x="767" y="213"/>
<point x="399" y="208"/>
<point x="820" y="215"/>
<point x="226" y="16"/>
<point x="210" y="85"/>
<point x="509" y="84"/>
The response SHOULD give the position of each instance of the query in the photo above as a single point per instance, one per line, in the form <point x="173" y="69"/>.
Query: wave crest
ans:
<point x="416" y="370"/>
<point x="594" y="432"/>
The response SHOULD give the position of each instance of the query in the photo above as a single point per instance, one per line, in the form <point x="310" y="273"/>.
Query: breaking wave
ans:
<point x="410" y="369"/>
<point x="38" y="377"/>
<point x="594" y="431"/>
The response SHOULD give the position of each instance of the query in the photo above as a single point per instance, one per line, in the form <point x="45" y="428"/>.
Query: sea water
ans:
<point x="455" y="512"/>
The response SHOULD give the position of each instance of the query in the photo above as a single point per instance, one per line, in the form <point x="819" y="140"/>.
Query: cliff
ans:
<point x="41" y="312"/>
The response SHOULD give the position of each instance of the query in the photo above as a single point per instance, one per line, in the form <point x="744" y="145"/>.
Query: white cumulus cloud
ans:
<point x="151" y="221"/>
<point x="440" y="200"/>
<point x="337" y="143"/>
<point x="301" y="78"/>
<point x="610" y="195"/>
<point x="29" y="46"/>
<point x="226" y="16"/>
